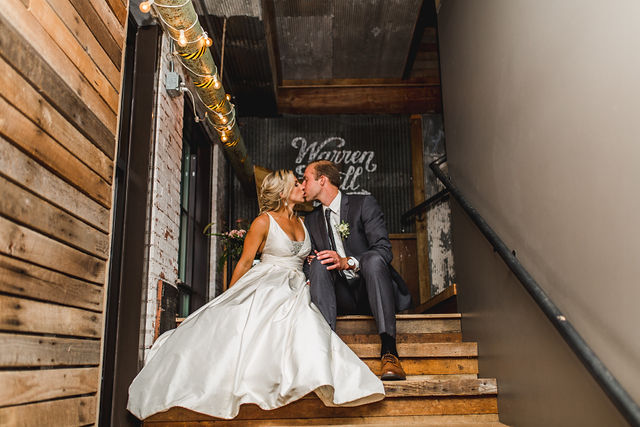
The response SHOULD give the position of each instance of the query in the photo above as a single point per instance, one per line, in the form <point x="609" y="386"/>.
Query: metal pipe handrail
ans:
<point x="618" y="395"/>
<point x="406" y="217"/>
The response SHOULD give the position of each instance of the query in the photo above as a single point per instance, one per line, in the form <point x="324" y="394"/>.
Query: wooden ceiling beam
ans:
<point x="372" y="99"/>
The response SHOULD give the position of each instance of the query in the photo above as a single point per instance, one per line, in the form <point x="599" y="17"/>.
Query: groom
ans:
<point x="351" y="272"/>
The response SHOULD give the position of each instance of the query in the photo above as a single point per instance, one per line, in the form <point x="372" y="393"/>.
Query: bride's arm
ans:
<point x="256" y="235"/>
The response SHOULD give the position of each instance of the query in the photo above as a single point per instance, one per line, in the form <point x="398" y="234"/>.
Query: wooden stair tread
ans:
<point x="475" y="420"/>
<point x="314" y="408"/>
<point x="405" y="350"/>
<point x="401" y="317"/>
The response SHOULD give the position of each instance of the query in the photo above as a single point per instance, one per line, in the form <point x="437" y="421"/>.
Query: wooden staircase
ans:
<point x="442" y="386"/>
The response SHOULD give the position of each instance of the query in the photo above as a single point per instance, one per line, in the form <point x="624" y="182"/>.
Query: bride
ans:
<point x="262" y="341"/>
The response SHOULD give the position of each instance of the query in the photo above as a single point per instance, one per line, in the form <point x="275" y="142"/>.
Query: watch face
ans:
<point x="351" y="262"/>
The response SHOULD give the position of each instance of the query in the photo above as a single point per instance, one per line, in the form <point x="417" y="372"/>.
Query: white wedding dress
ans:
<point x="261" y="342"/>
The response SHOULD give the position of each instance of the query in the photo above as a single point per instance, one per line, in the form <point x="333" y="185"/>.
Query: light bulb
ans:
<point x="145" y="6"/>
<point x="224" y="137"/>
<point x="224" y="120"/>
<point x="207" y="40"/>
<point x="182" y="40"/>
<point x="228" y="97"/>
<point x="216" y="83"/>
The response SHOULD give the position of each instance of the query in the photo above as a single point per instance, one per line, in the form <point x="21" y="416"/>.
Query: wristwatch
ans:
<point x="351" y="263"/>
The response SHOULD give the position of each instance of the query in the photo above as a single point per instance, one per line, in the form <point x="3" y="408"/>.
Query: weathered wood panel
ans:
<point x="58" y="31"/>
<point x="99" y="30"/>
<point x="88" y="41"/>
<point x="43" y="76"/>
<point x="119" y="10"/>
<point x="109" y="19"/>
<point x="64" y="412"/>
<point x="21" y="278"/>
<point x="20" y="18"/>
<point x="21" y="242"/>
<point x="29" y="386"/>
<point x="26" y="208"/>
<point x="18" y="167"/>
<point x="23" y="315"/>
<point x="25" y="134"/>
<point x="60" y="81"/>
<point x="30" y="351"/>
<point x="25" y="98"/>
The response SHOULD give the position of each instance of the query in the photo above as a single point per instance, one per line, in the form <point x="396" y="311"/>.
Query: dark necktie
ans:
<point x="332" y="241"/>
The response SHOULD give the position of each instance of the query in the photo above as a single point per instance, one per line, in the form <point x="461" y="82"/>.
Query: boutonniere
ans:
<point x="343" y="229"/>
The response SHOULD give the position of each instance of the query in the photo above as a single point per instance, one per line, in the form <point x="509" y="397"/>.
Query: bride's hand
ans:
<point x="310" y="258"/>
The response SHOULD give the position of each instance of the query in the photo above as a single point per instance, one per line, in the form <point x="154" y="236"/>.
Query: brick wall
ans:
<point x="164" y="204"/>
<point x="163" y="229"/>
<point x="164" y="224"/>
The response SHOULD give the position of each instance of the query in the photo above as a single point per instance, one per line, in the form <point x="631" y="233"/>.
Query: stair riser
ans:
<point x="313" y="408"/>
<point x="434" y="388"/>
<point x="420" y="350"/>
<point x="368" y="326"/>
<point x="433" y="366"/>
<point x="403" y="338"/>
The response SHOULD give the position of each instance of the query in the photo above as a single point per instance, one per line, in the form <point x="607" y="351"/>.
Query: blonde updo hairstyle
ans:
<point x="275" y="189"/>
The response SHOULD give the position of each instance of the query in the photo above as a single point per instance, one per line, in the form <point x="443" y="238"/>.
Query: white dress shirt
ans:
<point x="334" y="219"/>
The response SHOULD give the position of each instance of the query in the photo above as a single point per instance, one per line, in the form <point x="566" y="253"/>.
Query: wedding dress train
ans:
<point x="262" y="341"/>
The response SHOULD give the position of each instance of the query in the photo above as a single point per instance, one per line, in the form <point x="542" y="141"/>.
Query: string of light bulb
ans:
<point x="146" y="6"/>
<point x="227" y="119"/>
<point x="206" y="76"/>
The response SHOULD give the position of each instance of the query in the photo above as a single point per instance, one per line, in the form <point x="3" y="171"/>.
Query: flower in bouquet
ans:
<point x="232" y="242"/>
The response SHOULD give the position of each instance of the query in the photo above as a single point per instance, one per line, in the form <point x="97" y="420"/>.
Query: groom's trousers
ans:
<point x="372" y="293"/>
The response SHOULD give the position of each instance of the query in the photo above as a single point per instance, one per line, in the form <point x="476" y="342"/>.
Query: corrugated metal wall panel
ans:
<point x="371" y="38"/>
<point x="344" y="38"/>
<point x="246" y="63"/>
<point x="306" y="46"/>
<point x="383" y="166"/>
<point x="231" y="7"/>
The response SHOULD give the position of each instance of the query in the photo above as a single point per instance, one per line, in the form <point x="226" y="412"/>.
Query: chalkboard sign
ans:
<point x="373" y="152"/>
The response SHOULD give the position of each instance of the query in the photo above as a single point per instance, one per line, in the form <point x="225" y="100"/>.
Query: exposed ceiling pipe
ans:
<point x="180" y="22"/>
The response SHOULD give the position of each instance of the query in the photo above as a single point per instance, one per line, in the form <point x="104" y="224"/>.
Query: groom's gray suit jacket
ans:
<point x="368" y="233"/>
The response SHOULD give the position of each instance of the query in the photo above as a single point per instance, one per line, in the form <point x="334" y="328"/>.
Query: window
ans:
<point x="195" y="214"/>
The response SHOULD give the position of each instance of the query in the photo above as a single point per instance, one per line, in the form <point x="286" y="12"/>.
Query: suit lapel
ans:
<point x="344" y="216"/>
<point x="344" y="208"/>
<point x="321" y="229"/>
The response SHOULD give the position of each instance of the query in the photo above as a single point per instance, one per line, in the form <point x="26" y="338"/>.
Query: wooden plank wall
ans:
<point x="60" y="77"/>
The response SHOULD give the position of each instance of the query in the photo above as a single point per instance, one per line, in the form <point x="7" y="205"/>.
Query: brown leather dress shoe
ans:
<point x="391" y="368"/>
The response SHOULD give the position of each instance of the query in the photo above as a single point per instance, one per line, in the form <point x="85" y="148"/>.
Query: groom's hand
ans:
<point x="332" y="260"/>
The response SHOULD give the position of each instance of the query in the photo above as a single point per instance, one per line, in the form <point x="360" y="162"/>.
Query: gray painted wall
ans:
<point x="542" y="107"/>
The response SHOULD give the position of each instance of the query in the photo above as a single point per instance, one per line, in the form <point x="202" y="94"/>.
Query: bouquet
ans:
<point x="232" y="242"/>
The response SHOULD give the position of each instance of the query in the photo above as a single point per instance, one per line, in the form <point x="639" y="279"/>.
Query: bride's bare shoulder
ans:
<point x="261" y="221"/>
